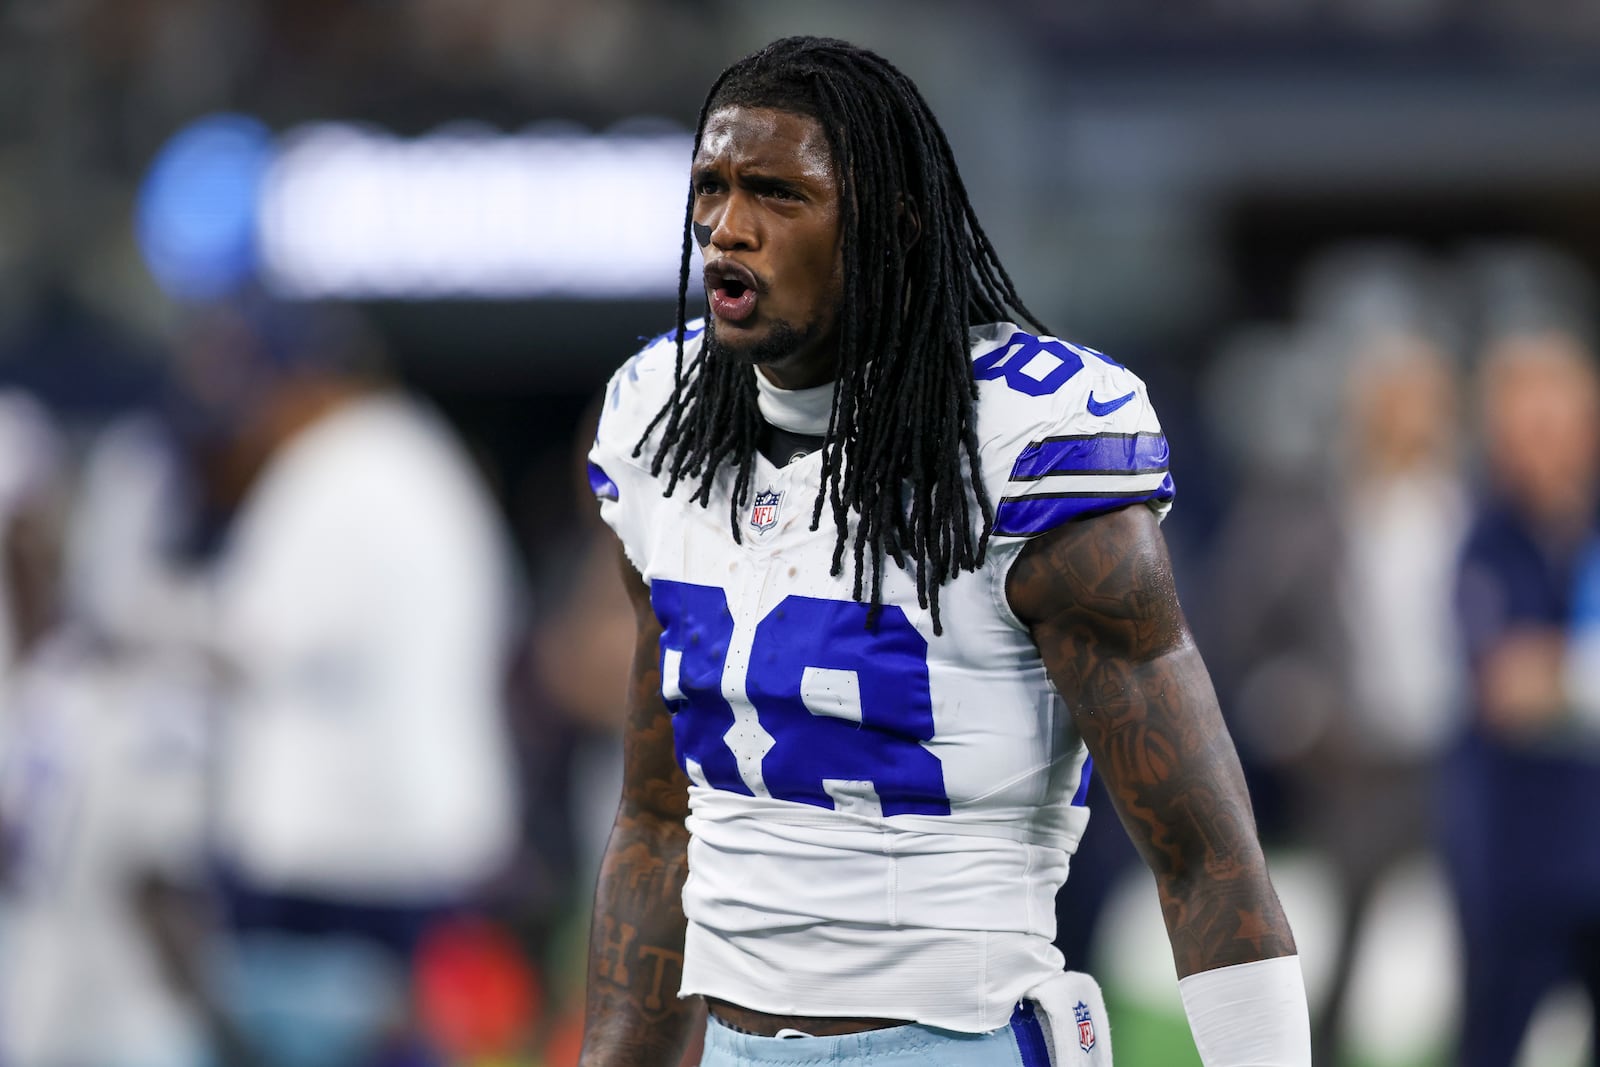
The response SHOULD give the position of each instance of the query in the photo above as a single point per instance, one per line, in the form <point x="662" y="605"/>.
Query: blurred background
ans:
<point x="312" y="655"/>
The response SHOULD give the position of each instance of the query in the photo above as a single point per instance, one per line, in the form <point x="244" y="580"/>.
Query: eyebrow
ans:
<point x="768" y="181"/>
<point x="757" y="178"/>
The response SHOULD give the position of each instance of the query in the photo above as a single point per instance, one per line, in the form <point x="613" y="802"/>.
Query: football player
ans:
<point x="895" y="558"/>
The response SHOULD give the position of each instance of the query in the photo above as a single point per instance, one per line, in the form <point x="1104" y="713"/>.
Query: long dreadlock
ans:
<point x="901" y="437"/>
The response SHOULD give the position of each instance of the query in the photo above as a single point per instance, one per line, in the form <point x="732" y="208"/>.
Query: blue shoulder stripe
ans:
<point x="1102" y="453"/>
<point x="601" y="484"/>
<point x="691" y="329"/>
<point x="1024" y="516"/>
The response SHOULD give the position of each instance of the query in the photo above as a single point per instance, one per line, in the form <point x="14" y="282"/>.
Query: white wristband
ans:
<point x="1250" y="1014"/>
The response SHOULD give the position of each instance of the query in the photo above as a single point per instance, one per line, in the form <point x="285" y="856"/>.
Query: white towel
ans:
<point x="1072" y="1011"/>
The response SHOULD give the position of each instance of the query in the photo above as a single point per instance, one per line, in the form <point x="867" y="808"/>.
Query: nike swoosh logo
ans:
<point x="1106" y="407"/>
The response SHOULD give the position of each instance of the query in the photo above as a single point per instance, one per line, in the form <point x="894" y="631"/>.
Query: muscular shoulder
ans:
<point x="628" y="493"/>
<point x="1064" y="431"/>
<point x="637" y="392"/>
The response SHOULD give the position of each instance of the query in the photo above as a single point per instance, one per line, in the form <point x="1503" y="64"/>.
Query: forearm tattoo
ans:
<point x="634" y="1017"/>
<point x="1099" y="598"/>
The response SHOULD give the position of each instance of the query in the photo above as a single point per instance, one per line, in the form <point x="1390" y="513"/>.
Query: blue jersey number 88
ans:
<point x="841" y="703"/>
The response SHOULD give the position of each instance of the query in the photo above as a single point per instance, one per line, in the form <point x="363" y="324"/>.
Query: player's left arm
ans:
<point x="1099" y="598"/>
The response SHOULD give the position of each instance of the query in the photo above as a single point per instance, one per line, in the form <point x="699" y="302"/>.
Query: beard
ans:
<point x="782" y="340"/>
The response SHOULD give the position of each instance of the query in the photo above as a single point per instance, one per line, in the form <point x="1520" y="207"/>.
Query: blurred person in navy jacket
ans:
<point x="1521" y="811"/>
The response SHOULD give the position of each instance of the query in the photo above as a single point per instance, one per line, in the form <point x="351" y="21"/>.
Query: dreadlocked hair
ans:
<point x="901" y="441"/>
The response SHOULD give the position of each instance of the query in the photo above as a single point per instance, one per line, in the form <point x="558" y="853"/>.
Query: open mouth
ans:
<point x="732" y="298"/>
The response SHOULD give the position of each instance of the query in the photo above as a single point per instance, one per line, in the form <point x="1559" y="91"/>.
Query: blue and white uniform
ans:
<point x="880" y="819"/>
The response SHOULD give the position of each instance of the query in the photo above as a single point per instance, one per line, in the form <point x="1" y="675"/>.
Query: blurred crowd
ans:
<point x="1398" y="605"/>
<point x="258" y="771"/>
<point x="312" y="653"/>
<point x="292" y="769"/>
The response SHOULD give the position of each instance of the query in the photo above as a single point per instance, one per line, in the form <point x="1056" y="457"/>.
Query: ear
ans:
<point x="909" y="223"/>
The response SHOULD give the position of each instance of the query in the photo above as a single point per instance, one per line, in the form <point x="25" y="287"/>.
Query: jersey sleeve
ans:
<point x="1066" y="433"/>
<point x="628" y="493"/>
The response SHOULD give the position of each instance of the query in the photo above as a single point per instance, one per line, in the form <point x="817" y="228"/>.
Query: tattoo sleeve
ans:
<point x="633" y="1016"/>
<point x="1099" y="598"/>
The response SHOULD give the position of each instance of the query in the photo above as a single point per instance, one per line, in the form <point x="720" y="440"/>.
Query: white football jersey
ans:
<point x="880" y="818"/>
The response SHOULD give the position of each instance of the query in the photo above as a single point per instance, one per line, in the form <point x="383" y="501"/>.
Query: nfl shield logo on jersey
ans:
<point x="764" y="512"/>
<point x="1085" y="1025"/>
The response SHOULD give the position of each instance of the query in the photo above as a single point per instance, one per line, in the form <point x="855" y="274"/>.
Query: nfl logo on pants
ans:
<point x="1085" y="1026"/>
<point x="764" y="512"/>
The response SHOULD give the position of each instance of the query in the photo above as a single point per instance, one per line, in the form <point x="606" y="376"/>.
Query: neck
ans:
<point x="286" y="410"/>
<point x="801" y="411"/>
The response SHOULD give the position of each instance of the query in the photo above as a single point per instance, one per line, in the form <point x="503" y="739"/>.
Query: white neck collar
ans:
<point x="803" y="411"/>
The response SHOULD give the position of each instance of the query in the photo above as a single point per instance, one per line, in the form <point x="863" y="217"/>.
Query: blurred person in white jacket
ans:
<point x="361" y="619"/>
<point x="1335" y="575"/>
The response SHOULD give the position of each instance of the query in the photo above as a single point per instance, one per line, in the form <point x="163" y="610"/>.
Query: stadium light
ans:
<point x="352" y="212"/>
<point x="196" y="210"/>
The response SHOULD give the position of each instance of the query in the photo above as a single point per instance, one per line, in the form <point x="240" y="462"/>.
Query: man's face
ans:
<point x="1542" y="420"/>
<point x="766" y="217"/>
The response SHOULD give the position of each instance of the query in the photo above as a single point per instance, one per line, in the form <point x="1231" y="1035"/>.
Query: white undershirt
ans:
<point x="802" y="411"/>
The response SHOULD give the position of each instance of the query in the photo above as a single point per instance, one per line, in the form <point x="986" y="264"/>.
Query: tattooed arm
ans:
<point x="634" y="1017"/>
<point x="1099" y="599"/>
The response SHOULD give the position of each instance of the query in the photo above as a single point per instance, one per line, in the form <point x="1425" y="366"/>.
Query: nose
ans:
<point x="734" y="227"/>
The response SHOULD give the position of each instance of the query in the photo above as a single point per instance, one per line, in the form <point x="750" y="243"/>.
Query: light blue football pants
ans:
<point x="1020" y="1044"/>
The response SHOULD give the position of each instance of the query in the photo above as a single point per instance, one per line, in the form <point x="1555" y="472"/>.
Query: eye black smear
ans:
<point x="702" y="233"/>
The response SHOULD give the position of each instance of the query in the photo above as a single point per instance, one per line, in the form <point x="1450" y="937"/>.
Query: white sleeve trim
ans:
<point x="1250" y="1014"/>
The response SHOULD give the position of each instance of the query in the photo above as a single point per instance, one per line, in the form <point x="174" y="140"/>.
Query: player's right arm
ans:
<point x="634" y="1017"/>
